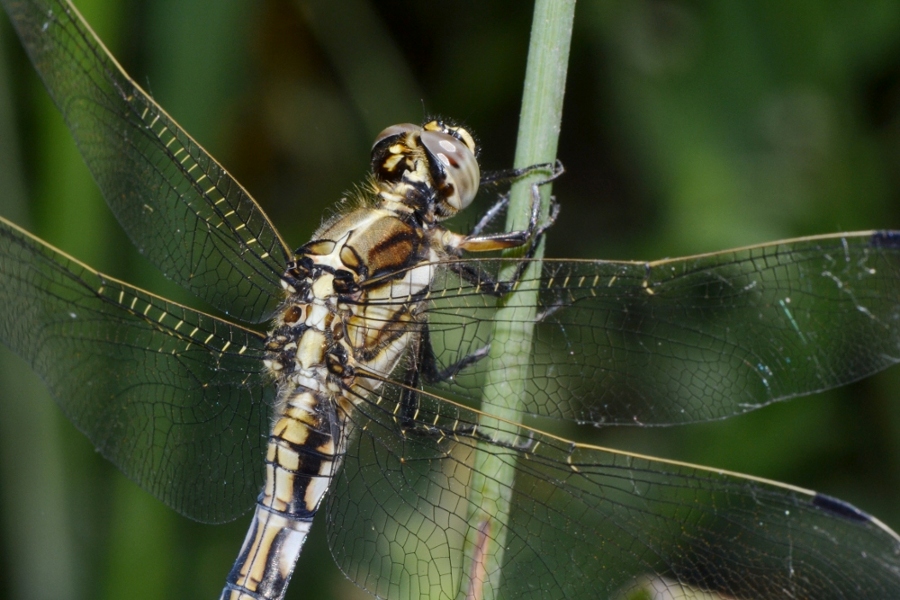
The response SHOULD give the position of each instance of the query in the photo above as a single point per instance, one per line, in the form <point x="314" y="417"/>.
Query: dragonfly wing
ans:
<point x="585" y="522"/>
<point x="174" y="398"/>
<point x="182" y="210"/>
<point x="689" y="339"/>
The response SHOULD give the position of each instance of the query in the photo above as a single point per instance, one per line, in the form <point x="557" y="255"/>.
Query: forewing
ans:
<point x="174" y="398"/>
<point x="689" y="339"/>
<point x="182" y="210"/>
<point x="585" y="522"/>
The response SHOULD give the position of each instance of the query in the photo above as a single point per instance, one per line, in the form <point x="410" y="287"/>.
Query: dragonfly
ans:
<point x="342" y="381"/>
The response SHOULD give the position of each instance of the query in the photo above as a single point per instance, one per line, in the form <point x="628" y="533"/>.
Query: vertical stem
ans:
<point x="504" y="392"/>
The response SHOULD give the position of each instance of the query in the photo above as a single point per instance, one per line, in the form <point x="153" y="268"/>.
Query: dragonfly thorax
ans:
<point x="355" y="290"/>
<point x="352" y="294"/>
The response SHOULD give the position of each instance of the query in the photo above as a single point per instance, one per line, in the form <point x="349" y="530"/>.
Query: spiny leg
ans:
<point x="424" y="364"/>
<point x="529" y="238"/>
<point x="490" y="215"/>
<point x="476" y="241"/>
<point x="508" y="175"/>
<point x="424" y="367"/>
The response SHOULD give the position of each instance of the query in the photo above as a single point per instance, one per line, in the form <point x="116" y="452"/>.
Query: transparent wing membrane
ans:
<point x="182" y="210"/>
<point x="174" y="398"/>
<point x="586" y="522"/>
<point x="182" y="403"/>
<point x="584" y="519"/>
<point x="689" y="339"/>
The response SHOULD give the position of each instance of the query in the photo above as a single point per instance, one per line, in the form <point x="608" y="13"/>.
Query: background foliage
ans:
<point x="689" y="126"/>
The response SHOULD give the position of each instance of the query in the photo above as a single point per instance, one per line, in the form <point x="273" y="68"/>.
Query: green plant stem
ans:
<point x="493" y="478"/>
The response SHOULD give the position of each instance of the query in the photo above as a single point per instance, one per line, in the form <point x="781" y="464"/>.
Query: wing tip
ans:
<point x="840" y="508"/>
<point x="886" y="239"/>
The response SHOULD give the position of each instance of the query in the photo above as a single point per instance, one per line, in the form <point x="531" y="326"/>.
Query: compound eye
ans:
<point x="395" y="131"/>
<point x="454" y="168"/>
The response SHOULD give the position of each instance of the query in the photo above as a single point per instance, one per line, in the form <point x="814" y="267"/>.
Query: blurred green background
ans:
<point x="689" y="127"/>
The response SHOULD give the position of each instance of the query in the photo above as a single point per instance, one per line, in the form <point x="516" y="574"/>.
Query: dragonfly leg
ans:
<point x="477" y="241"/>
<point x="490" y="215"/>
<point x="427" y="364"/>
<point x="556" y="169"/>
<point x="485" y="282"/>
<point x="528" y="238"/>
<point x="494" y="177"/>
<point x="425" y="367"/>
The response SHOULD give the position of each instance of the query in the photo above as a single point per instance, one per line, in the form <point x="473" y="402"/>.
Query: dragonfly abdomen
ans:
<point x="267" y="558"/>
<point x="300" y="461"/>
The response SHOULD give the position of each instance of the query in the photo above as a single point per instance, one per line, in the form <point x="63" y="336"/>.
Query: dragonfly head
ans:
<point x="432" y="167"/>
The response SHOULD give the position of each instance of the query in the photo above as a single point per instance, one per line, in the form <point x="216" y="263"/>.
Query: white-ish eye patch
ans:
<point x="448" y="146"/>
<point x="456" y="167"/>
